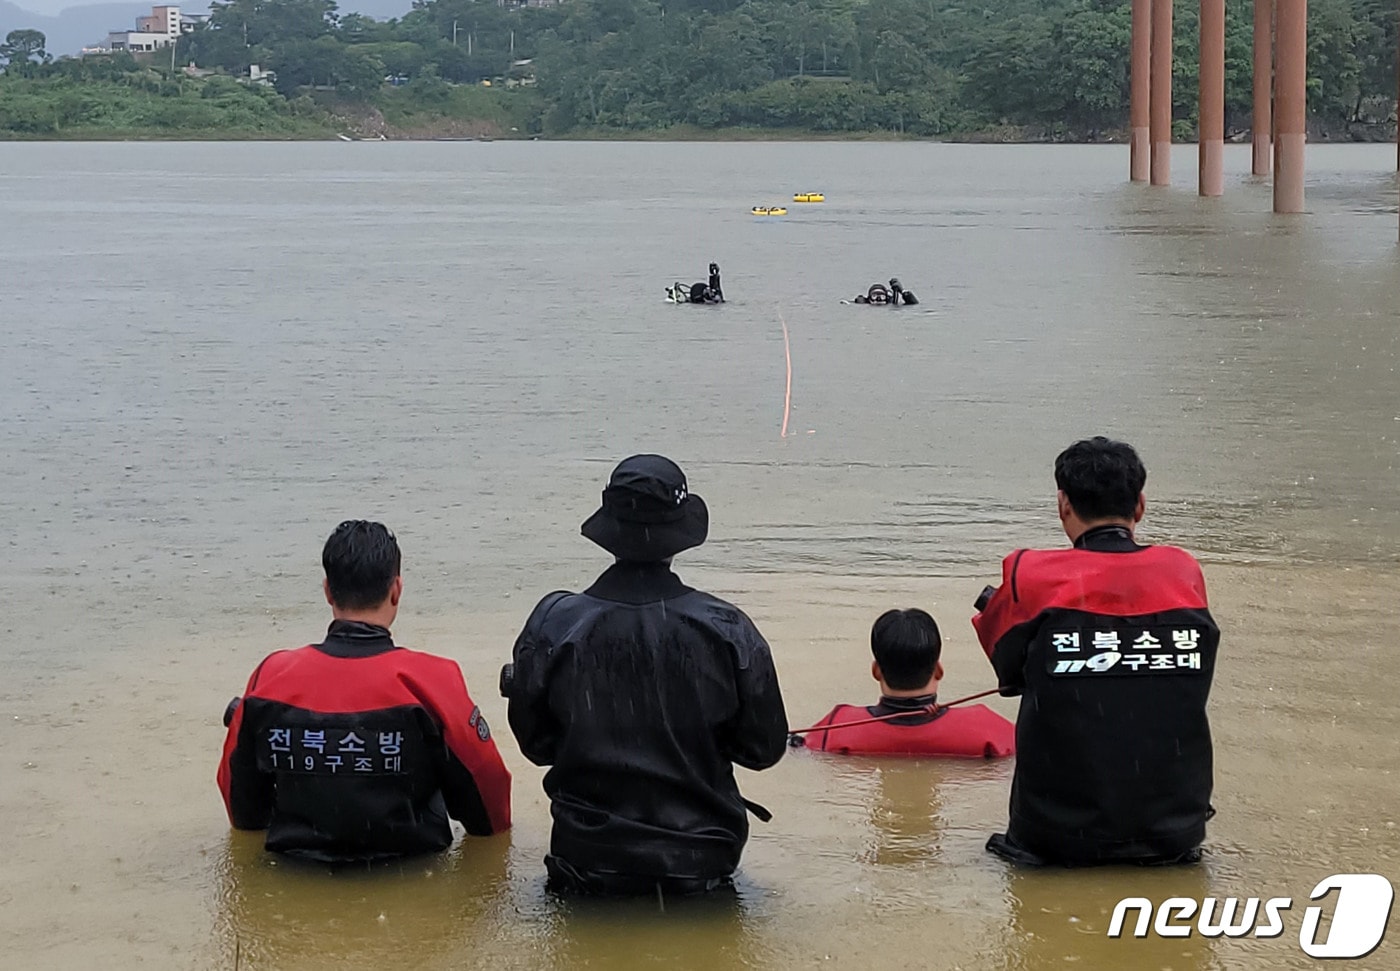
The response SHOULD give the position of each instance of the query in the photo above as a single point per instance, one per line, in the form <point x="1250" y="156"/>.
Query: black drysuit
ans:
<point x="642" y="693"/>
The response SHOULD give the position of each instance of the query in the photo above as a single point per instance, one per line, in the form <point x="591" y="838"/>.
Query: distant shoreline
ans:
<point x="453" y="132"/>
<point x="591" y="135"/>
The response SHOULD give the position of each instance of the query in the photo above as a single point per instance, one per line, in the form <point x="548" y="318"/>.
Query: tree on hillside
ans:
<point x="1089" y="78"/>
<point x="24" y="47"/>
<point x="325" y="62"/>
<point x="243" y="32"/>
<point x="923" y="67"/>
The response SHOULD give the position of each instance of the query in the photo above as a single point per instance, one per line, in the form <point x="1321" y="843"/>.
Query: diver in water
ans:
<point x="882" y="296"/>
<point x="710" y="292"/>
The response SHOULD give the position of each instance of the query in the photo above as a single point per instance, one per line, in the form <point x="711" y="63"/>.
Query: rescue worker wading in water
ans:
<point x="642" y="693"/>
<point x="356" y="749"/>
<point x="1112" y="648"/>
<point x="908" y="649"/>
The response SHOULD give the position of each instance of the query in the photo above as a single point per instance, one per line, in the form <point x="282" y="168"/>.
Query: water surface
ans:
<point x="213" y="353"/>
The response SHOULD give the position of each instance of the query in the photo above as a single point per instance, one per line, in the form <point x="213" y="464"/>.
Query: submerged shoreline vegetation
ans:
<point x="1004" y="70"/>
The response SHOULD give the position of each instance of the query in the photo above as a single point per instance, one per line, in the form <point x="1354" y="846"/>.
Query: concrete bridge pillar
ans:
<point x="1263" y="86"/>
<point x="1161" y="96"/>
<point x="1211" y="94"/>
<point x="1290" y="102"/>
<point x="1139" y="86"/>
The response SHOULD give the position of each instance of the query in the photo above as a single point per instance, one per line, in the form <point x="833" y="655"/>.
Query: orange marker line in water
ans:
<point x="787" y="395"/>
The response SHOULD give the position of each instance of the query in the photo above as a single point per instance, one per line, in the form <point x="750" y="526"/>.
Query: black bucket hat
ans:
<point x="648" y="512"/>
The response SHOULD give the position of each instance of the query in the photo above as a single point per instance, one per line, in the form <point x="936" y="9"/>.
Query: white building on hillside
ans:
<point x="161" y="29"/>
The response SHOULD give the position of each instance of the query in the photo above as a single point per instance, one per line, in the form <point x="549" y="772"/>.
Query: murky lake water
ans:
<point x="213" y="353"/>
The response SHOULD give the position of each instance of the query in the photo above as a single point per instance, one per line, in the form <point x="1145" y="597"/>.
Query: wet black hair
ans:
<point x="1101" y="478"/>
<point x="361" y="559"/>
<point x="907" y="646"/>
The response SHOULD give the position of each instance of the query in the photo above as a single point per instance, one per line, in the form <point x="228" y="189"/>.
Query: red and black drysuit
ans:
<point x="642" y="693"/>
<point x="356" y="749"/>
<point x="971" y="732"/>
<point x="1112" y="649"/>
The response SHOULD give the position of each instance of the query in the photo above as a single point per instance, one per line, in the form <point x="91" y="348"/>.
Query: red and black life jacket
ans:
<point x="973" y="732"/>
<point x="355" y="749"/>
<point x="1112" y="648"/>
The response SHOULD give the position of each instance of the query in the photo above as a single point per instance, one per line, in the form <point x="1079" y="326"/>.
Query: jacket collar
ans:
<point x="914" y="706"/>
<point x="1108" y="539"/>
<point x="354" y="639"/>
<point x="638" y="583"/>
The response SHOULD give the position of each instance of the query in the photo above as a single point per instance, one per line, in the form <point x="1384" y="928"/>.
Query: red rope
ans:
<point x="925" y="710"/>
<point x="787" y="394"/>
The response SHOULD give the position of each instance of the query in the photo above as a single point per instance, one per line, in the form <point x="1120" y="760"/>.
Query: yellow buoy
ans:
<point x="769" y="211"/>
<point x="809" y="197"/>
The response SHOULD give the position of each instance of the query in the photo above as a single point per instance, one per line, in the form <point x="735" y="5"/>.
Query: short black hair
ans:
<point x="1101" y="478"/>
<point x="907" y="646"/>
<point x="361" y="560"/>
